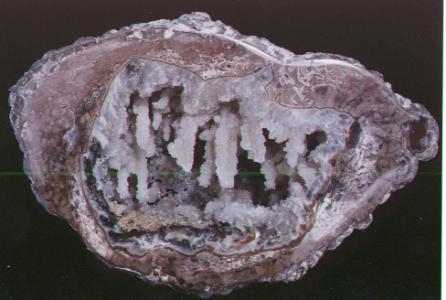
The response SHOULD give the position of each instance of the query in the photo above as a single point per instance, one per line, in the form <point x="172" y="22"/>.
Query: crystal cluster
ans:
<point x="194" y="156"/>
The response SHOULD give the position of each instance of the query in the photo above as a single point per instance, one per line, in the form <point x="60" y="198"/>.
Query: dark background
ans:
<point x="397" y="257"/>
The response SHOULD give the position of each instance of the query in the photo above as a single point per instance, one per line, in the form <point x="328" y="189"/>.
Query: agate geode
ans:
<point x="194" y="156"/>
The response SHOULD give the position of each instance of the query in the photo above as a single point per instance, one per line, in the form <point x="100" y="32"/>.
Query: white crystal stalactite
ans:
<point x="144" y="134"/>
<point x="294" y="148"/>
<point x="269" y="170"/>
<point x="182" y="148"/>
<point x="226" y="144"/>
<point x="207" y="169"/>
<point x="253" y="141"/>
<point x="123" y="185"/>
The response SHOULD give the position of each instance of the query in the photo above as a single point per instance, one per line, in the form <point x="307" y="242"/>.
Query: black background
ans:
<point x="397" y="257"/>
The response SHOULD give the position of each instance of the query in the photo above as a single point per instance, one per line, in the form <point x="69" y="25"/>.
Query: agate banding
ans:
<point x="194" y="156"/>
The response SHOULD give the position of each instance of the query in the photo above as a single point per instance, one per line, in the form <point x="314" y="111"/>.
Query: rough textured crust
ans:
<point x="56" y="103"/>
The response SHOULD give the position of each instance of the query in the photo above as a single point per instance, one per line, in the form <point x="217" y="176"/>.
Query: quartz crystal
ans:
<point x="193" y="156"/>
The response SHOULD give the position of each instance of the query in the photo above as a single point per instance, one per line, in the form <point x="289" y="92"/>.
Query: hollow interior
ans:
<point x="218" y="179"/>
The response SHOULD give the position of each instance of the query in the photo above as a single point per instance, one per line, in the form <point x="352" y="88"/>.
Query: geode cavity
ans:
<point x="194" y="156"/>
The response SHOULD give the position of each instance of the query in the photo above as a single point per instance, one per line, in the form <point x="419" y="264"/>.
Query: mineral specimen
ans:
<point x="194" y="156"/>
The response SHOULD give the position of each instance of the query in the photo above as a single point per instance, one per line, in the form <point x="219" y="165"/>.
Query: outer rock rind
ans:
<point x="53" y="119"/>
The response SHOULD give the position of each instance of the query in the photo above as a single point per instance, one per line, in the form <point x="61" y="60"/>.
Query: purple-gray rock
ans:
<point x="193" y="156"/>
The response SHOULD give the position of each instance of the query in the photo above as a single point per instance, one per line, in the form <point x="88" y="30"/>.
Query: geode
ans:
<point x="193" y="156"/>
